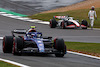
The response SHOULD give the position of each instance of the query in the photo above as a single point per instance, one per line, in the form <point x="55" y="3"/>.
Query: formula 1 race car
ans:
<point x="33" y="42"/>
<point x="67" y="22"/>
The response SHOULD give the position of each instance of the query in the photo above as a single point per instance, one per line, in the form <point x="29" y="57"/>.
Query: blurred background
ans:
<point x="30" y="7"/>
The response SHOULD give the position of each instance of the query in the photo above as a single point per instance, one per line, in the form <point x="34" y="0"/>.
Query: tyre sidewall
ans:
<point x="7" y="44"/>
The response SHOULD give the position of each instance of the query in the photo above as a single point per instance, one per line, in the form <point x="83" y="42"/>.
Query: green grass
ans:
<point x="3" y="64"/>
<point x="84" y="47"/>
<point x="77" y="14"/>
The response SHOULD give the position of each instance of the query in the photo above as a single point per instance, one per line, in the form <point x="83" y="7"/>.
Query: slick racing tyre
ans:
<point x="7" y="44"/>
<point x="18" y="46"/>
<point x="60" y="46"/>
<point x="85" y="23"/>
<point x="53" y="23"/>
<point x="63" y="25"/>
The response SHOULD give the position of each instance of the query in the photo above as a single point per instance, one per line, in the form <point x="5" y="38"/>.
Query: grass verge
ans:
<point x="86" y="48"/>
<point x="77" y="14"/>
<point x="4" y="64"/>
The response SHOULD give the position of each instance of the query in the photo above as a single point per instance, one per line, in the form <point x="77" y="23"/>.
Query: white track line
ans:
<point x="44" y="22"/>
<point x="7" y="15"/>
<point x="94" y="28"/>
<point x="14" y="63"/>
<point x="23" y="18"/>
<point x="1" y="38"/>
<point x="35" y="20"/>
<point x="14" y="16"/>
<point x="84" y="55"/>
<point x="2" y="12"/>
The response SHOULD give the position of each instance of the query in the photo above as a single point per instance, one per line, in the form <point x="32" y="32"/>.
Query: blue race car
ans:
<point x="33" y="42"/>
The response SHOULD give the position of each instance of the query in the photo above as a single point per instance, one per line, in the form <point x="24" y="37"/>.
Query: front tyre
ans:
<point x="18" y="46"/>
<point x="60" y="46"/>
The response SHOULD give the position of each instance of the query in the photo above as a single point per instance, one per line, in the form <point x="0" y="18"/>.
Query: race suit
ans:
<point x="91" y="15"/>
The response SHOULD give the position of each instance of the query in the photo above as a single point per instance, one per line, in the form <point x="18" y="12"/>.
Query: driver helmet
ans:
<point x="32" y="29"/>
<point x="92" y="8"/>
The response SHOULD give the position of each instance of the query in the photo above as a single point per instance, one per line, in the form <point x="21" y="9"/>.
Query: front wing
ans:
<point x="36" y="51"/>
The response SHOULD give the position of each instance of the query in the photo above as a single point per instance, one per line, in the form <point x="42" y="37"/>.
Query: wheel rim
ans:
<point x="62" y="25"/>
<point x="50" y="24"/>
<point x="13" y="48"/>
<point x="55" y="43"/>
<point x="3" y="44"/>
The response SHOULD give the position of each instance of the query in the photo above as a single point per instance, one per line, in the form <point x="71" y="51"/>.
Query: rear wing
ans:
<point x="59" y="17"/>
<point x="63" y="17"/>
<point x="18" y="31"/>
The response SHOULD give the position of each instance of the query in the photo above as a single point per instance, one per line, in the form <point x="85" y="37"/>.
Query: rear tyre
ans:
<point x="18" y="46"/>
<point x="60" y="46"/>
<point x="7" y="44"/>
<point x="85" y="23"/>
<point x="53" y="23"/>
<point x="63" y="25"/>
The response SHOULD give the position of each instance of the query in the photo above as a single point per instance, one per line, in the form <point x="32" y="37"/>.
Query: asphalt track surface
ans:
<point x="77" y="35"/>
<point x="69" y="60"/>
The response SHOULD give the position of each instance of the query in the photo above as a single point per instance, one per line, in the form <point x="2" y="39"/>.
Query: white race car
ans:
<point x="67" y="22"/>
